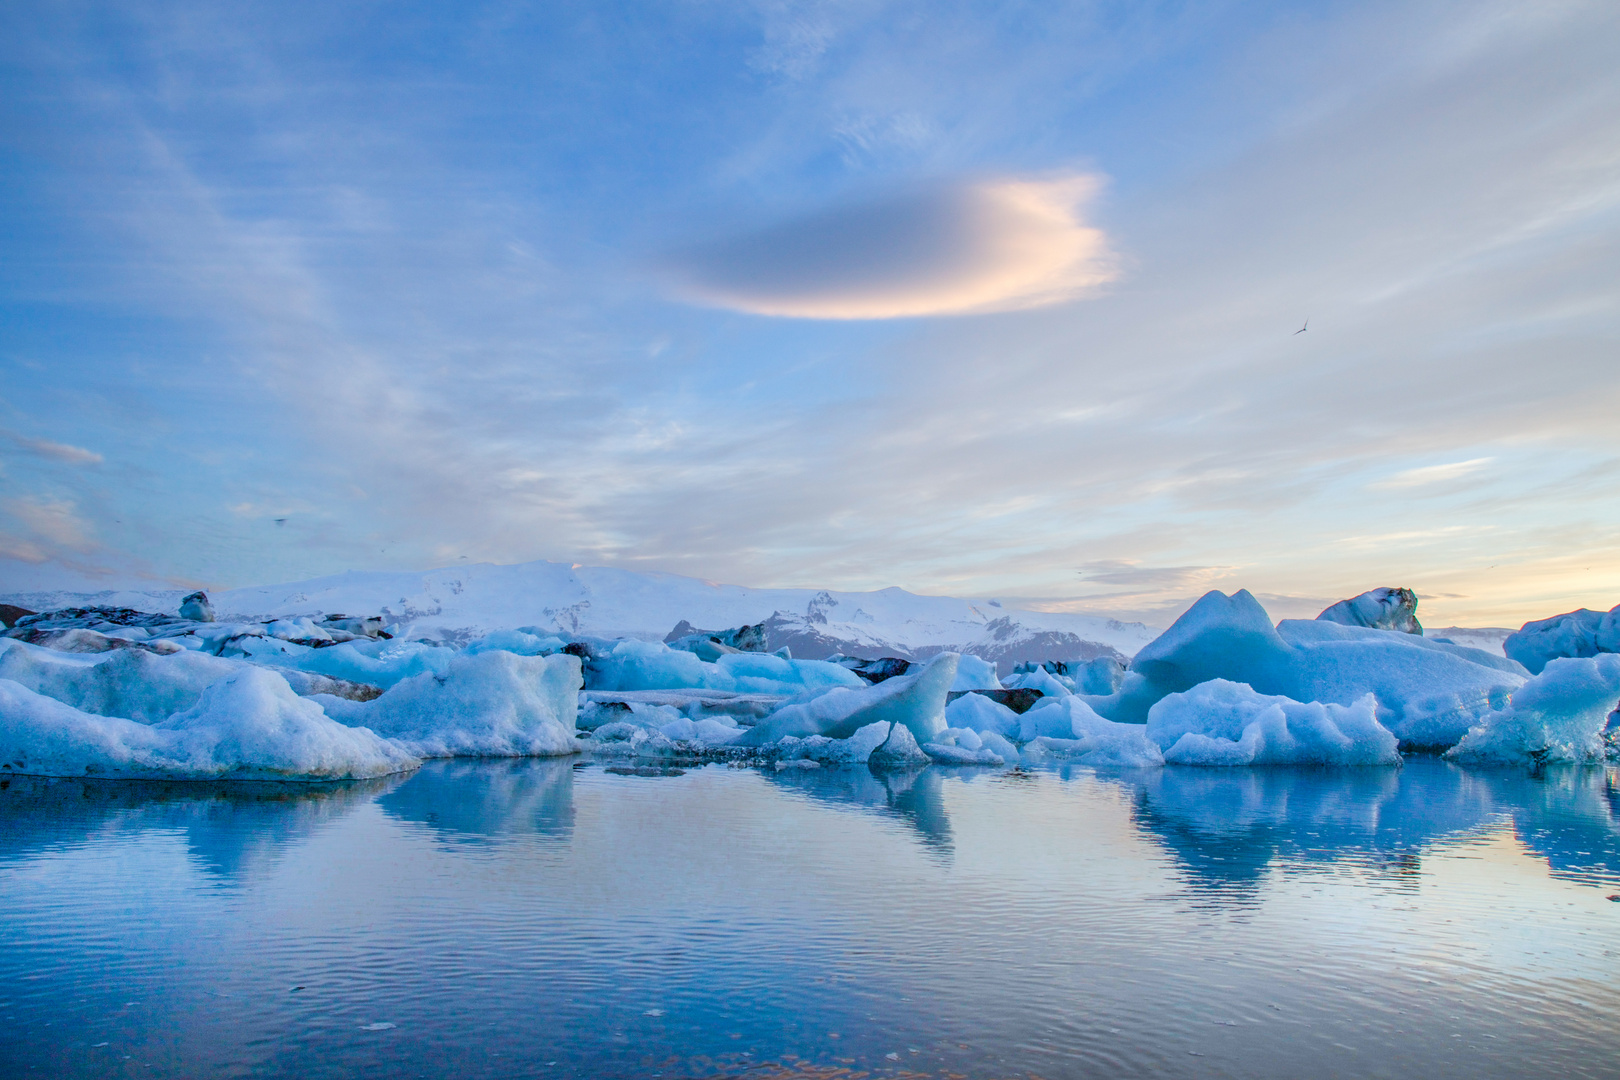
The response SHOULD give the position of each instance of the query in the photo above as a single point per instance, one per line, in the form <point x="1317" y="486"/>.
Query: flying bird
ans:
<point x="281" y="521"/>
<point x="1304" y="328"/>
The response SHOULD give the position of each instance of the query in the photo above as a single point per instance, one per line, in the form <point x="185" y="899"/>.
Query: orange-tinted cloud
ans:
<point x="998" y="245"/>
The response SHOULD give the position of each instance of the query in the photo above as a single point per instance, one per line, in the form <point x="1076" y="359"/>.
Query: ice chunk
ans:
<point x="1428" y="692"/>
<point x="249" y="725"/>
<point x="917" y="701"/>
<point x="518" y="641"/>
<point x="979" y="713"/>
<point x="130" y="683"/>
<point x="1378" y="609"/>
<point x="648" y="665"/>
<point x="1574" y="634"/>
<point x="1227" y="723"/>
<point x="196" y="607"/>
<point x="493" y="704"/>
<point x="898" y="751"/>
<point x="1041" y="680"/>
<point x="1069" y="728"/>
<point x="856" y="749"/>
<point x="973" y="673"/>
<point x="1558" y="716"/>
<point x="961" y="746"/>
<point x="379" y="663"/>
<point x="998" y="745"/>
<point x="705" y="733"/>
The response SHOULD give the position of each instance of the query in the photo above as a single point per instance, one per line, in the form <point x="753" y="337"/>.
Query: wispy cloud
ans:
<point x="999" y="245"/>
<point x="1432" y="474"/>
<point x="63" y="452"/>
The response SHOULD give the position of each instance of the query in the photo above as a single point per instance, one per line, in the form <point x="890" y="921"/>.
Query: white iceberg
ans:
<point x="1070" y="729"/>
<point x="247" y="726"/>
<point x="1558" y="716"/>
<point x="972" y="673"/>
<point x="979" y="713"/>
<point x="1574" y="634"/>
<point x="917" y="701"/>
<point x="649" y="665"/>
<point x="1227" y="723"/>
<point x="1429" y="693"/>
<point x="491" y="704"/>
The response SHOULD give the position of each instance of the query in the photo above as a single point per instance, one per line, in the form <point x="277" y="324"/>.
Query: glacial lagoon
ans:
<point x="566" y="918"/>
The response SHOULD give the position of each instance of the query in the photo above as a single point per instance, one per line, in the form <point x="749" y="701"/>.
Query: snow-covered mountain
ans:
<point x="461" y="602"/>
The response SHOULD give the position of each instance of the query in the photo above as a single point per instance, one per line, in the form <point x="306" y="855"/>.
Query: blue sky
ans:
<point x="981" y="299"/>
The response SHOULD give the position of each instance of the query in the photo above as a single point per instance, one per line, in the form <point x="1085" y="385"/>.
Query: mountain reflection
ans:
<point x="479" y="800"/>
<point x="915" y="796"/>
<point x="1228" y="828"/>
<point x="229" y="826"/>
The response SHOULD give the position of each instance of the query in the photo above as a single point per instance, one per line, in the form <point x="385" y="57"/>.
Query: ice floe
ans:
<point x="105" y="691"/>
<point x="247" y="726"/>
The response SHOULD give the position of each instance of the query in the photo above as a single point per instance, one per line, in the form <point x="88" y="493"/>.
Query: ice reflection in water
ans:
<point x="489" y="918"/>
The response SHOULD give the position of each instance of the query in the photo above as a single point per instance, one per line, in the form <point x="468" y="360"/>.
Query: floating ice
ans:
<point x="917" y="701"/>
<point x="247" y="726"/>
<point x="979" y="713"/>
<point x="961" y="746"/>
<point x="1378" y="609"/>
<point x="1227" y="723"/>
<point x="1574" y="634"/>
<point x="1428" y="692"/>
<point x="648" y="665"/>
<point x="973" y="673"/>
<point x="1040" y="679"/>
<point x="856" y="749"/>
<point x="1558" y="716"/>
<point x="379" y="663"/>
<point x="522" y="642"/>
<point x="1069" y="728"/>
<point x="492" y="704"/>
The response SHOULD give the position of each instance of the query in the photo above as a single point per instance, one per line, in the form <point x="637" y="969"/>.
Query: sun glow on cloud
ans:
<point x="997" y="245"/>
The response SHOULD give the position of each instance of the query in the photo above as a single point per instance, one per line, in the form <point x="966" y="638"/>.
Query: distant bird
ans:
<point x="281" y="521"/>
<point x="1304" y="328"/>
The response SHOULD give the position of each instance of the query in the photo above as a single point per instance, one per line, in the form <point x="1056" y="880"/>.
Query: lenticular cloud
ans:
<point x="998" y="245"/>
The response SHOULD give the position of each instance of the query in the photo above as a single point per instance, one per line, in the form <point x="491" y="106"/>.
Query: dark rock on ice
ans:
<point x="710" y="645"/>
<point x="873" y="671"/>
<point x="1101" y="675"/>
<point x="10" y="613"/>
<point x="1019" y="700"/>
<point x="1379" y="609"/>
<point x="369" y="626"/>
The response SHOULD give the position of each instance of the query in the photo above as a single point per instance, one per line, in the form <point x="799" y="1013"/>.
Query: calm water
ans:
<point x="551" y="919"/>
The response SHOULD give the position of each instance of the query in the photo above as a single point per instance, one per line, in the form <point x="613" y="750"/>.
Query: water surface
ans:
<point x="552" y="919"/>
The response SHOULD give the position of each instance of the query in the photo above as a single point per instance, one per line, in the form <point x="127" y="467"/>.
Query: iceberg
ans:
<point x="649" y="665"/>
<point x="1574" y="634"/>
<point x="1428" y="693"/>
<point x="1068" y="728"/>
<point x="975" y="712"/>
<point x="1227" y="723"/>
<point x="972" y="673"/>
<point x="1558" y="716"/>
<point x="1378" y="609"/>
<point x="246" y="726"/>
<point x="491" y="704"/>
<point x="916" y="701"/>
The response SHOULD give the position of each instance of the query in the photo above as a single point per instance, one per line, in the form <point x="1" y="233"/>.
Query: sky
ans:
<point x="980" y="299"/>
